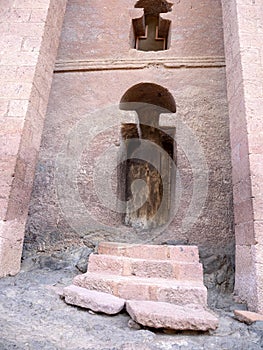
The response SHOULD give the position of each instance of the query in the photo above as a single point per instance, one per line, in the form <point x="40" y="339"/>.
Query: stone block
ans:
<point x="24" y="58"/>
<point x="258" y="205"/>
<point x="245" y="233"/>
<point x="142" y="251"/>
<point x="30" y="4"/>
<point x="248" y="316"/>
<point x="25" y="74"/>
<point x="145" y="267"/>
<point x="11" y="243"/>
<point x="245" y="281"/>
<point x="18" y="108"/>
<point x="255" y="142"/>
<point x="27" y="29"/>
<point x="139" y="288"/>
<point x="38" y="15"/>
<point x="3" y="207"/>
<point x="3" y="106"/>
<point x="243" y="211"/>
<point x="242" y="190"/>
<point x="93" y="300"/>
<point x="9" y="145"/>
<point x="31" y="44"/>
<point x="258" y="226"/>
<point x="165" y="315"/>
<point x="17" y="15"/>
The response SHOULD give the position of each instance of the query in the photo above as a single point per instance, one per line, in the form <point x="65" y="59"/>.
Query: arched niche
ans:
<point x="149" y="157"/>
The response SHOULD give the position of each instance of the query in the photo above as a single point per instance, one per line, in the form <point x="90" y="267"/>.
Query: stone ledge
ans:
<point x="113" y="64"/>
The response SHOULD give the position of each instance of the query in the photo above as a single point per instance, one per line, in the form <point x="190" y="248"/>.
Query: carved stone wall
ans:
<point x="30" y="35"/>
<point x="96" y="65"/>
<point x="243" y="23"/>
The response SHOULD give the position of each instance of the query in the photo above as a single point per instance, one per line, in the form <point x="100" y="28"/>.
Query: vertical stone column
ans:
<point x="243" y="31"/>
<point x="30" y="31"/>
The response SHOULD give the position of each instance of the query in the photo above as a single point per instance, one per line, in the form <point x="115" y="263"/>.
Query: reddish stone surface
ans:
<point x="164" y="315"/>
<point x="93" y="71"/>
<point x="103" y="69"/>
<point x="192" y="24"/>
<point x="176" y="253"/>
<point x="163" y="302"/>
<point x="139" y="288"/>
<point x="248" y="316"/>
<point x="244" y="68"/>
<point x="145" y="268"/>
<point x="25" y="43"/>
<point x="93" y="300"/>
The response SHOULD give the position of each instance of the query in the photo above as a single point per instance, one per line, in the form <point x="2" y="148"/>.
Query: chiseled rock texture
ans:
<point x="93" y="300"/>
<point x="166" y="315"/>
<point x="248" y="316"/>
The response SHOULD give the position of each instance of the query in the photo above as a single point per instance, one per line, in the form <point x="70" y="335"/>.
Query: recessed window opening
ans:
<point x="151" y="31"/>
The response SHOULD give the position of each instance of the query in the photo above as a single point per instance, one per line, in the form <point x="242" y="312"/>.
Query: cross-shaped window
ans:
<point x="151" y="31"/>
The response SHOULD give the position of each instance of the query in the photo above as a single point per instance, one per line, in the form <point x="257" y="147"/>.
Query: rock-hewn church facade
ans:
<point x="133" y="121"/>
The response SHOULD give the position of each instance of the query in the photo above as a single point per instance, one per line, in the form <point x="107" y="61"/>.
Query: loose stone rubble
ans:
<point x="163" y="285"/>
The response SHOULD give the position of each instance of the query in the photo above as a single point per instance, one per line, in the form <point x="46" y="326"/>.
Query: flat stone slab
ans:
<point x="93" y="300"/>
<point x="165" y="315"/>
<point x="247" y="316"/>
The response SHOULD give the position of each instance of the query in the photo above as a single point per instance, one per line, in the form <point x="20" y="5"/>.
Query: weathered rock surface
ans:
<point x="138" y="288"/>
<point x="93" y="300"/>
<point x="166" y="315"/>
<point x="248" y="316"/>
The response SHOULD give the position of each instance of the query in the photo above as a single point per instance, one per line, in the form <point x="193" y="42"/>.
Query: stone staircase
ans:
<point x="162" y="286"/>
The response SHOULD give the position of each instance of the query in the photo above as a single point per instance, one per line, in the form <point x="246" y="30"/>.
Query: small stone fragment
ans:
<point x="93" y="300"/>
<point x="247" y="316"/>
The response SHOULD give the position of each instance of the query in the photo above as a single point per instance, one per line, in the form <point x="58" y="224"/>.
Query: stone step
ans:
<point x="139" y="288"/>
<point x="124" y="266"/>
<point x="93" y="300"/>
<point x="165" y="315"/>
<point x="156" y="252"/>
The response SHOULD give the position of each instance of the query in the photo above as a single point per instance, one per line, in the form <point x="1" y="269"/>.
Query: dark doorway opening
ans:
<point x="148" y="177"/>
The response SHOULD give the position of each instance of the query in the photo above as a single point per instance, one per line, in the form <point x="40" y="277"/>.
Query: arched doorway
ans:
<point x="148" y="174"/>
